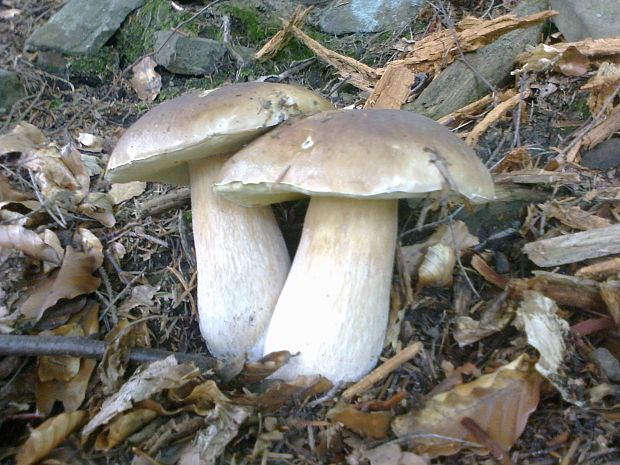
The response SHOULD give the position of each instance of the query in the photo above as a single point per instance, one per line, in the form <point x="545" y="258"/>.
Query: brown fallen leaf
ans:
<point x="121" y="192"/>
<point x="23" y="213"/>
<point x="72" y="393"/>
<point x="122" y="427"/>
<point x="499" y="402"/>
<point x="375" y="425"/>
<point x="7" y="193"/>
<point x="253" y="372"/>
<point x="98" y="205"/>
<point x="145" y="80"/>
<point x="390" y="453"/>
<point x="60" y="367"/>
<point x="48" y="435"/>
<point x="22" y="138"/>
<point x="28" y="242"/>
<point x="74" y="278"/>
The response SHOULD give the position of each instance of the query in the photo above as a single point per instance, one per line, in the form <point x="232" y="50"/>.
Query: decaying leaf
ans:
<point x="48" y="435"/>
<point x="253" y="372"/>
<point x="28" y="242"/>
<point x="91" y="245"/>
<point x="60" y="367"/>
<point x="390" y="453"/>
<point x="74" y="278"/>
<point x="141" y="296"/>
<point x="23" y="213"/>
<point x="97" y="205"/>
<point x="73" y="392"/>
<point x="7" y="193"/>
<point x="375" y="425"/>
<point x="59" y="173"/>
<point x="210" y="442"/>
<point x="500" y="403"/>
<point x="123" y="426"/>
<point x="22" y="138"/>
<point x="145" y="80"/>
<point x="154" y="378"/>
<point x="121" y="192"/>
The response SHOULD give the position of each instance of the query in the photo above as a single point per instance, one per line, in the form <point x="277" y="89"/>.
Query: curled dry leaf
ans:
<point x="121" y="192"/>
<point x="23" y="213"/>
<point x="60" y="367"/>
<point x="7" y="193"/>
<point x="154" y="378"/>
<point x="72" y="393"/>
<point x="28" y="242"/>
<point x="122" y="427"/>
<point x="74" y="278"/>
<point x="145" y="80"/>
<point x="22" y="138"/>
<point x="436" y="267"/>
<point x="375" y="425"/>
<point x="500" y="403"/>
<point x="97" y="205"/>
<point x="253" y="372"/>
<point x="390" y="453"/>
<point x="48" y="435"/>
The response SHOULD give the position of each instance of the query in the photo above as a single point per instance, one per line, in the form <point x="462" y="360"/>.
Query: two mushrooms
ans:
<point x="331" y="306"/>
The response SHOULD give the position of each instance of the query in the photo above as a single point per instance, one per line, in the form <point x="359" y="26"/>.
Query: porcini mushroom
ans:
<point x="242" y="260"/>
<point x="333" y="308"/>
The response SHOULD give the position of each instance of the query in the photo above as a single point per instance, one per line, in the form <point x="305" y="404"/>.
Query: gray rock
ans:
<point x="604" y="156"/>
<point x="11" y="90"/>
<point x="368" y="15"/>
<point x="82" y="27"/>
<point x="607" y="363"/>
<point x="579" y="19"/>
<point x="458" y="85"/>
<point x="188" y="55"/>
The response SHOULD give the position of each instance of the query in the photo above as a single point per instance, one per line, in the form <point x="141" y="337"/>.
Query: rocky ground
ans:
<point x="131" y="278"/>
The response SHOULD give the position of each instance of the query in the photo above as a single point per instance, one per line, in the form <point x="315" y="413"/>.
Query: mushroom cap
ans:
<point x="366" y="154"/>
<point x="203" y="123"/>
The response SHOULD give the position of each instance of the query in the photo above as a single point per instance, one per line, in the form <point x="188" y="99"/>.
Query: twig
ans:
<point x="84" y="347"/>
<point x="483" y="438"/>
<point x="382" y="371"/>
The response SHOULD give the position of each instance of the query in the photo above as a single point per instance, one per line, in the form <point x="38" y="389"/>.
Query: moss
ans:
<point x="95" y="69"/>
<point x="580" y="107"/>
<point x="248" y="22"/>
<point x="136" y="36"/>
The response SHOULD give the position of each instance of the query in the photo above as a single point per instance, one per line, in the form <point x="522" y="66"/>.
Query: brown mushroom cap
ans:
<point x="203" y="123"/>
<point x="372" y="154"/>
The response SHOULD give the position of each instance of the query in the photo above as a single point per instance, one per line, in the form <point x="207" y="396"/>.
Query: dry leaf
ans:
<point x="72" y="393"/>
<point x="91" y="245"/>
<point x="7" y="193"/>
<point x="122" y="427"/>
<point x="152" y="379"/>
<point x="60" y="367"/>
<point x="90" y="142"/>
<point x="253" y="372"/>
<point x="97" y="205"/>
<point x="602" y="85"/>
<point x="391" y="454"/>
<point x="141" y="296"/>
<point x="145" y="80"/>
<point x="573" y="62"/>
<point x="28" y="242"/>
<point x="210" y="442"/>
<point x="74" y="278"/>
<point x="47" y="436"/>
<point x="202" y="398"/>
<point x="500" y="403"/>
<point x="22" y="138"/>
<point x="375" y="425"/>
<point x="24" y="213"/>
<point x="121" y="192"/>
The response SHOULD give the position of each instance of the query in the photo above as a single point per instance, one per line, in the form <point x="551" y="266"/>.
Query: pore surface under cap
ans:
<point x="203" y="123"/>
<point x="378" y="154"/>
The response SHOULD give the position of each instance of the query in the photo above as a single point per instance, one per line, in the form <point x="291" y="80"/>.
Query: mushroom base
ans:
<point x="242" y="263"/>
<point x="334" y="307"/>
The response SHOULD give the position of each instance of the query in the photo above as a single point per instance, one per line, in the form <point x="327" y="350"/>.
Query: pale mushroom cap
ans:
<point x="203" y="123"/>
<point x="372" y="154"/>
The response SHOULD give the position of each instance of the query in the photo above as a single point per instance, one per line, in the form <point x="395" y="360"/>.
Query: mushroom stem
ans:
<point x="242" y="263"/>
<point x="334" y="306"/>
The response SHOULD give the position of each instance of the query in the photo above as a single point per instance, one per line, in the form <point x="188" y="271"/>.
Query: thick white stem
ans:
<point x="334" y="306"/>
<point x="242" y="263"/>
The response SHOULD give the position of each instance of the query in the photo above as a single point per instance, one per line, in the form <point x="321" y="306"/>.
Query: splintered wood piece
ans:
<point x="392" y="89"/>
<point x="495" y="114"/>
<point x="281" y="38"/>
<point x="469" y="111"/>
<point x="576" y="247"/>
<point x="536" y="176"/>
<point x="471" y="34"/>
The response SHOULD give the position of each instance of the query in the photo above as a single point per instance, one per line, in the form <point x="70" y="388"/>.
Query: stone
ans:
<point x="82" y="27"/>
<point x="579" y="19"/>
<point x="604" y="156"/>
<point x="11" y="90"/>
<point x="607" y="363"/>
<point x="187" y="55"/>
<point x="368" y="15"/>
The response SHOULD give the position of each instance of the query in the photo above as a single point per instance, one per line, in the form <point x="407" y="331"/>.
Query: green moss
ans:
<point x="580" y="107"/>
<point x="136" y="36"/>
<point x="248" y="22"/>
<point x="95" y="69"/>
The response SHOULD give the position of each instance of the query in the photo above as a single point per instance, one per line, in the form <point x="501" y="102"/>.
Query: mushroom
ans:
<point x="242" y="260"/>
<point x="334" y="306"/>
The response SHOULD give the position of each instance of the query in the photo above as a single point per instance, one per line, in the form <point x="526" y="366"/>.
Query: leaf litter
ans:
<point x="445" y="386"/>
